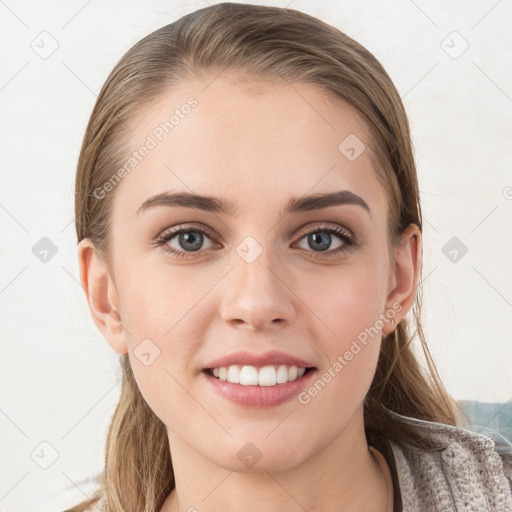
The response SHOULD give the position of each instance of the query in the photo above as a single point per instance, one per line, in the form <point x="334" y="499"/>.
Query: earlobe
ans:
<point x="405" y="275"/>
<point x="101" y="295"/>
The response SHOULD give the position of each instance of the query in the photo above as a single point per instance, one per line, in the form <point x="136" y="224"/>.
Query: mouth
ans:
<point x="258" y="386"/>
<point x="264" y="379"/>
<point x="264" y="376"/>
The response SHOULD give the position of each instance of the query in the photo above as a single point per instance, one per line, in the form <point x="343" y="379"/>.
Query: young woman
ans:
<point x="250" y="241"/>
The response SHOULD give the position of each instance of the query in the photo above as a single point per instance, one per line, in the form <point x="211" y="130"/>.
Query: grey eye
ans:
<point x="188" y="240"/>
<point x="319" y="241"/>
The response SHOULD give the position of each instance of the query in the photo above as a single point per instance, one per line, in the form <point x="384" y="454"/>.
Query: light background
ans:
<point x="59" y="378"/>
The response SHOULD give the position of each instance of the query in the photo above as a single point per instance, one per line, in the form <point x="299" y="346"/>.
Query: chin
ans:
<point x="261" y="458"/>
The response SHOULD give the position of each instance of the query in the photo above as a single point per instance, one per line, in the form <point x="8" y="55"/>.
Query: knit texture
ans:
<point x="468" y="473"/>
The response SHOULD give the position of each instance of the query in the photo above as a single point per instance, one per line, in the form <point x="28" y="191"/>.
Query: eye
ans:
<point x="181" y="242"/>
<point x="320" y="240"/>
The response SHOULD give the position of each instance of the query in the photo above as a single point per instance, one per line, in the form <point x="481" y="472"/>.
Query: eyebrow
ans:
<point x="222" y="206"/>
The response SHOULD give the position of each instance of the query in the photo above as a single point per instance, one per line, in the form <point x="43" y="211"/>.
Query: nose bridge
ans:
<point x="256" y="294"/>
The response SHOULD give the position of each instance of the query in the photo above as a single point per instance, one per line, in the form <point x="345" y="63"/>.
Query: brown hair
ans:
<point x="269" y="43"/>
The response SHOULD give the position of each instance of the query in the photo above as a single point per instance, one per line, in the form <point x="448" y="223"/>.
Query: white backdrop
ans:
<point x="451" y="63"/>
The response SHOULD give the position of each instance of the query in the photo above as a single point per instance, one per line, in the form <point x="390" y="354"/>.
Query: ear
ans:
<point x="404" y="277"/>
<point x="101" y="295"/>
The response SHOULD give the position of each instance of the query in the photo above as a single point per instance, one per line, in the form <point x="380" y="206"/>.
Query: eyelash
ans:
<point x="349" y="243"/>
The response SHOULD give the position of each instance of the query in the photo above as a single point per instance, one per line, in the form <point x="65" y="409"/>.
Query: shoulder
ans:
<point x="466" y="467"/>
<point x="503" y="448"/>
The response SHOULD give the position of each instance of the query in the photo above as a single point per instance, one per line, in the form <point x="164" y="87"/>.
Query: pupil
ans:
<point x="321" y="242"/>
<point x="187" y="238"/>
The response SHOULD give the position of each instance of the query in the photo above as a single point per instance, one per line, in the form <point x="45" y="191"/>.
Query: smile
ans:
<point x="258" y="379"/>
<point x="247" y="375"/>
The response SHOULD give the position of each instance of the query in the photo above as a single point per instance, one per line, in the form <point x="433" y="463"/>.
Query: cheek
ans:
<point x="163" y="302"/>
<point x="349" y="305"/>
<point x="159" y="386"/>
<point x="351" y="351"/>
<point x="167" y="321"/>
<point x="347" y="301"/>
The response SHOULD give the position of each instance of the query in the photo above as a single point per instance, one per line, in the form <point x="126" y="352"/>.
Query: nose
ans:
<point x="257" y="297"/>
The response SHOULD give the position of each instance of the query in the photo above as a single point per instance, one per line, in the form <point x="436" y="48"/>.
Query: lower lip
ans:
<point x="259" y="396"/>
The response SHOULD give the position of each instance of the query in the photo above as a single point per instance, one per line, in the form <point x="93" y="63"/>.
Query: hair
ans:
<point x="267" y="43"/>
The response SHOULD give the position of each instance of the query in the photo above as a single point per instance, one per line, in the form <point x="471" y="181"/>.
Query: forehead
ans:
<point x="251" y="142"/>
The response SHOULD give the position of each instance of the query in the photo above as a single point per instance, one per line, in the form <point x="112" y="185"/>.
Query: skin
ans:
<point x="256" y="147"/>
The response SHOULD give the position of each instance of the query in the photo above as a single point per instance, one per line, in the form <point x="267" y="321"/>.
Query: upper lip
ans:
<point x="245" y="357"/>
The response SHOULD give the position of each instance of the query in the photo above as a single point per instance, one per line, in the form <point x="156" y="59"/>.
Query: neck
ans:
<point x="343" y="475"/>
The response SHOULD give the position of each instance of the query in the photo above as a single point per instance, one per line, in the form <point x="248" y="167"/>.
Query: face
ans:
<point x="255" y="270"/>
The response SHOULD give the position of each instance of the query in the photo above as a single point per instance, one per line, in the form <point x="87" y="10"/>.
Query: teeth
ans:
<point x="267" y="376"/>
<point x="252" y="376"/>
<point x="248" y="376"/>
<point x="282" y="374"/>
<point x="233" y="374"/>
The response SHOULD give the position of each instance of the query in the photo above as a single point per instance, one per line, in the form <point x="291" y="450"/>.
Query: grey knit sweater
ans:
<point x="471" y="472"/>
